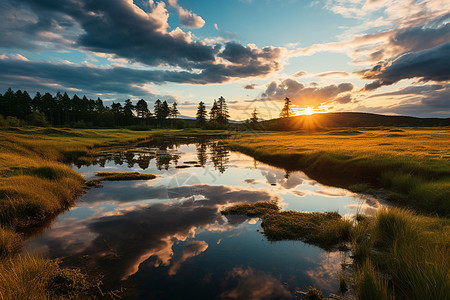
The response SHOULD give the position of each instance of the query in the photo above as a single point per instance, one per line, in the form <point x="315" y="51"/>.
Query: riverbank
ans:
<point x="397" y="254"/>
<point x="410" y="167"/>
<point x="36" y="184"/>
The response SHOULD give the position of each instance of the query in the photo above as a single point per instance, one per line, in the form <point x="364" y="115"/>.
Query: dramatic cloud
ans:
<point x="428" y="65"/>
<point x="123" y="30"/>
<point x="430" y="30"/>
<point x="301" y="95"/>
<point x="427" y="100"/>
<point x="19" y="73"/>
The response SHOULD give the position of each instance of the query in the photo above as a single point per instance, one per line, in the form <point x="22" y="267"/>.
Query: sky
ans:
<point x="379" y="56"/>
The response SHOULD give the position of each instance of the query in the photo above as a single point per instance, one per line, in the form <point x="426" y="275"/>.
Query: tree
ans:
<point x="286" y="112"/>
<point x="117" y="111"/>
<point x="174" y="110"/>
<point x="165" y="110"/>
<point x="222" y="108"/>
<point x="201" y="114"/>
<point x="158" y="110"/>
<point x="254" y="118"/>
<point x="214" y="113"/>
<point x="142" y="109"/>
<point x="128" y="110"/>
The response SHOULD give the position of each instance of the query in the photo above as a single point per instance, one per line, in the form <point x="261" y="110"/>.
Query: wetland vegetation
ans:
<point x="410" y="168"/>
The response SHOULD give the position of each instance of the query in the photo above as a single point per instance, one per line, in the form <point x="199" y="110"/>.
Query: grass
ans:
<point x="115" y="176"/>
<point x="411" y="168"/>
<point x="29" y="277"/>
<point x="398" y="254"/>
<point x="326" y="230"/>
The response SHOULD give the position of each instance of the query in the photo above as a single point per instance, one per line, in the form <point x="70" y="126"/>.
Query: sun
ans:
<point x="308" y="111"/>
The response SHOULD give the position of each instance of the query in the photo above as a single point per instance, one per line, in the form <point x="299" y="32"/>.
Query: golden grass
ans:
<point x="36" y="184"/>
<point x="28" y="277"/>
<point x="412" y="167"/>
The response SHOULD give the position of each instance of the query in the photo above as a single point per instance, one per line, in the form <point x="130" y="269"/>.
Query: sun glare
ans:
<point x="308" y="111"/>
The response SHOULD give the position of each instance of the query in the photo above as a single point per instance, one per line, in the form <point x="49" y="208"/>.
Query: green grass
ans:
<point x="411" y="249"/>
<point x="412" y="168"/>
<point x="326" y="230"/>
<point x="115" y="176"/>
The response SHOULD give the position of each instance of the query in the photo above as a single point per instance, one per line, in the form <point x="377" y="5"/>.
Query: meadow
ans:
<point x="408" y="166"/>
<point x="399" y="253"/>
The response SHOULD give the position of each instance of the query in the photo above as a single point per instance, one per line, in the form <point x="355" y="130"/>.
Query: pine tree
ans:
<point x="142" y="109"/>
<point x="201" y="114"/>
<point x="222" y="109"/>
<point x="165" y="110"/>
<point x="158" y="110"/>
<point x="128" y="110"/>
<point x="254" y="118"/>
<point x="214" y="113"/>
<point x="286" y="112"/>
<point x="174" y="110"/>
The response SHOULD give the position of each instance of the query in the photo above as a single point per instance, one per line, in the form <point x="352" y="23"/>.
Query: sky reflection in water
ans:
<point x="168" y="232"/>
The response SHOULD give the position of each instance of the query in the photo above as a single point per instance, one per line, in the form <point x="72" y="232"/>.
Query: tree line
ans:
<point x="62" y="110"/>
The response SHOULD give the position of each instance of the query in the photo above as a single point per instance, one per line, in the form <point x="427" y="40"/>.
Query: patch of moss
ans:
<point x="326" y="230"/>
<point x="116" y="176"/>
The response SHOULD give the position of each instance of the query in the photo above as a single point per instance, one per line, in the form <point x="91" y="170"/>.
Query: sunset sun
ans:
<point x="308" y="111"/>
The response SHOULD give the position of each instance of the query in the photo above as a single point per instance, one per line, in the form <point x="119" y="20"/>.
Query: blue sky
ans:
<point x="381" y="56"/>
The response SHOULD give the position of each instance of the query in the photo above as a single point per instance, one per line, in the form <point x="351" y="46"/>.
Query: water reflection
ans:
<point x="165" y="154"/>
<point x="169" y="231"/>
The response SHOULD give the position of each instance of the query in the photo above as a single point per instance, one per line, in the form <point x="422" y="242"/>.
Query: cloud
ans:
<point x="250" y="86"/>
<point x="428" y="65"/>
<point x="255" y="284"/>
<point x="430" y="30"/>
<point x="426" y="100"/>
<point x="300" y="74"/>
<point x="24" y="74"/>
<point x="333" y="74"/>
<point x="125" y="31"/>
<point x="187" y="18"/>
<point x="301" y="95"/>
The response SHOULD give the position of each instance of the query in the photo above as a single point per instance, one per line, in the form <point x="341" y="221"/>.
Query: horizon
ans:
<point x="383" y="57"/>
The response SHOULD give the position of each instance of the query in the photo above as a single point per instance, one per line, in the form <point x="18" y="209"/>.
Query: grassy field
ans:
<point x="36" y="184"/>
<point x="409" y="166"/>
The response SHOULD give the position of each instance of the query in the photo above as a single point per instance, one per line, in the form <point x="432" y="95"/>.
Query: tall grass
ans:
<point x="412" y="249"/>
<point x="370" y="285"/>
<point x="30" y="277"/>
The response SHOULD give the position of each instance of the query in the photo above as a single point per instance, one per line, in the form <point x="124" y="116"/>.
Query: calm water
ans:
<point x="165" y="238"/>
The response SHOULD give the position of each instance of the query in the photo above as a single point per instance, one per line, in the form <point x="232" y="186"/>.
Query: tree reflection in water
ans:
<point x="164" y="151"/>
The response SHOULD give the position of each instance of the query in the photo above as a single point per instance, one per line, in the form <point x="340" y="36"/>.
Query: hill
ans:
<point x="350" y="119"/>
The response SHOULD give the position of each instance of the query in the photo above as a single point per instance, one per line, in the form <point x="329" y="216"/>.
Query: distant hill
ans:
<point x="350" y="119"/>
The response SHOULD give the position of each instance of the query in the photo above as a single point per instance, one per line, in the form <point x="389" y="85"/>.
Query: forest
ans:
<point x="19" y="108"/>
